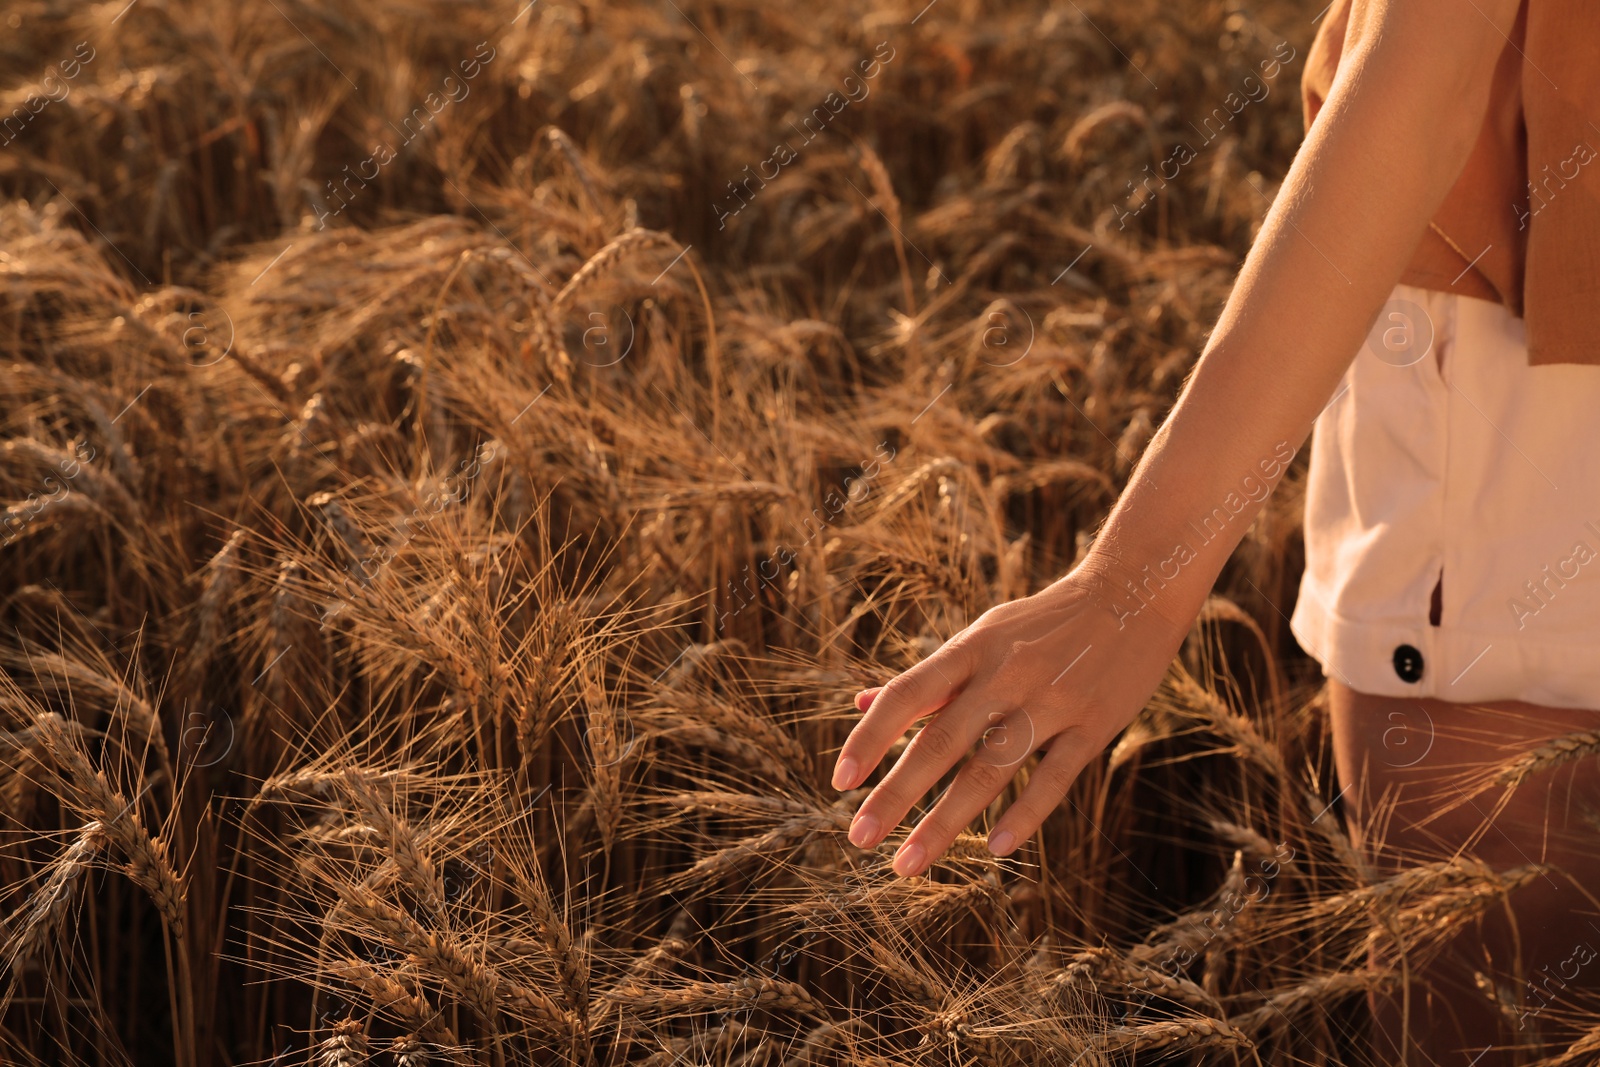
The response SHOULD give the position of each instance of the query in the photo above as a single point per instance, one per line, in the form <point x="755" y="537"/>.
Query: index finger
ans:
<point x="920" y="691"/>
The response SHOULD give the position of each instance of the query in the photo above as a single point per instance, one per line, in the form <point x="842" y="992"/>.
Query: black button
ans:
<point x="1408" y="663"/>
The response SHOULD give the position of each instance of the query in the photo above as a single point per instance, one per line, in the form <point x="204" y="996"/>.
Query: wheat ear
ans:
<point x="85" y="790"/>
<point x="40" y="918"/>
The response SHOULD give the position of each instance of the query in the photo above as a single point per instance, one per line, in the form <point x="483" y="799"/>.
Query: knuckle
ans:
<point x="935" y="830"/>
<point x="1027" y="822"/>
<point x="1011" y="672"/>
<point x="953" y="660"/>
<point x="987" y="776"/>
<point x="948" y="818"/>
<point x="936" y="741"/>
<point x="1055" y="777"/>
<point x="1008" y="743"/>
<point x="898" y="790"/>
<point x="915" y="686"/>
<point x="1055" y="782"/>
<point x="892" y="693"/>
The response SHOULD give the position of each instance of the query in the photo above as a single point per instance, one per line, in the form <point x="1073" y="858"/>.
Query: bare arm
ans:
<point x="1070" y="666"/>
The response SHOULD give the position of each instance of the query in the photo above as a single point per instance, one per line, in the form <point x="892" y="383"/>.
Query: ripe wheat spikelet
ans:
<point x="1195" y="1030"/>
<point x="318" y="782"/>
<point x="85" y="789"/>
<point x="1415" y="882"/>
<point x="1055" y="472"/>
<point x="752" y="991"/>
<point x="410" y="1051"/>
<point x="605" y="260"/>
<point x="471" y="978"/>
<point x="387" y="994"/>
<point x="1444" y="909"/>
<point x="400" y="842"/>
<point x="572" y="966"/>
<point x="735" y="718"/>
<point x="882" y="186"/>
<point x="652" y="963"/>
<point x="1145" y="979"/>
<point x="40" y="919"/>
<point x="742" y="753"/>
<point x="1251" y="842"/>
<point x="788" y="834"/>
<point x="930" y="471"/>
<point x="951" y="902"/>
<point x="1549" y="755"/>
<point x="1282" y="1007"/>
<point x="746" y="494"/>
<point x="563" y="143"/>
<point x="745" y="804"/>
<point x="910" y="978"/>
<point x="60" y="676"/>
<point x="606" y="751"/>
<point x="104" y="488"/>
<point x="822" y="1038"/>
<point x="52" y="513"/>
<point x="1580" y="1053"/>
<point x="221" y="577"/>
<point x="345" y="1047"/>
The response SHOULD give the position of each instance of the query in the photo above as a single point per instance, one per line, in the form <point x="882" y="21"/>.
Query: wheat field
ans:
<point x="460" y="461"/>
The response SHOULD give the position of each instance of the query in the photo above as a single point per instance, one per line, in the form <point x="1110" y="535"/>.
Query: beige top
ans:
<point x="1521" y="225"/>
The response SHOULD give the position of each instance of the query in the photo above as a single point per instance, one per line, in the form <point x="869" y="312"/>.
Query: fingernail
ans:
<point x="844" y="774"/>
<point x="1002" y="842"/>
<point x="908" y="860"/>
<point x="864" y="831"/>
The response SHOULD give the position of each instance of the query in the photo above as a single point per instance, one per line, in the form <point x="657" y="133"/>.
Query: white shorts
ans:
<point x="1455" y="464"/>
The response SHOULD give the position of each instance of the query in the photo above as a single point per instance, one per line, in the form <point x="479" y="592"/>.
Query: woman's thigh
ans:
<point x="1427" y="779"/>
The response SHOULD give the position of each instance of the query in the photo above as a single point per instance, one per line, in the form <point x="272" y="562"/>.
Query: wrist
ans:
<point x="1155" y="588"/>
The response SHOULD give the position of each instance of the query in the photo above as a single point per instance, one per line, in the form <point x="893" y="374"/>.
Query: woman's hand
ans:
<point x="1065" y="670"/>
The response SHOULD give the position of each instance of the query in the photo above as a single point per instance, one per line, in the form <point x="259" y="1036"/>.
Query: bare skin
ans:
<point x="1417" y="776"/>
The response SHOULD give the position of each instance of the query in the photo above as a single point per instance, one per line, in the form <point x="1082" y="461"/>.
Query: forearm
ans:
<point x="1396" y="131"/>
